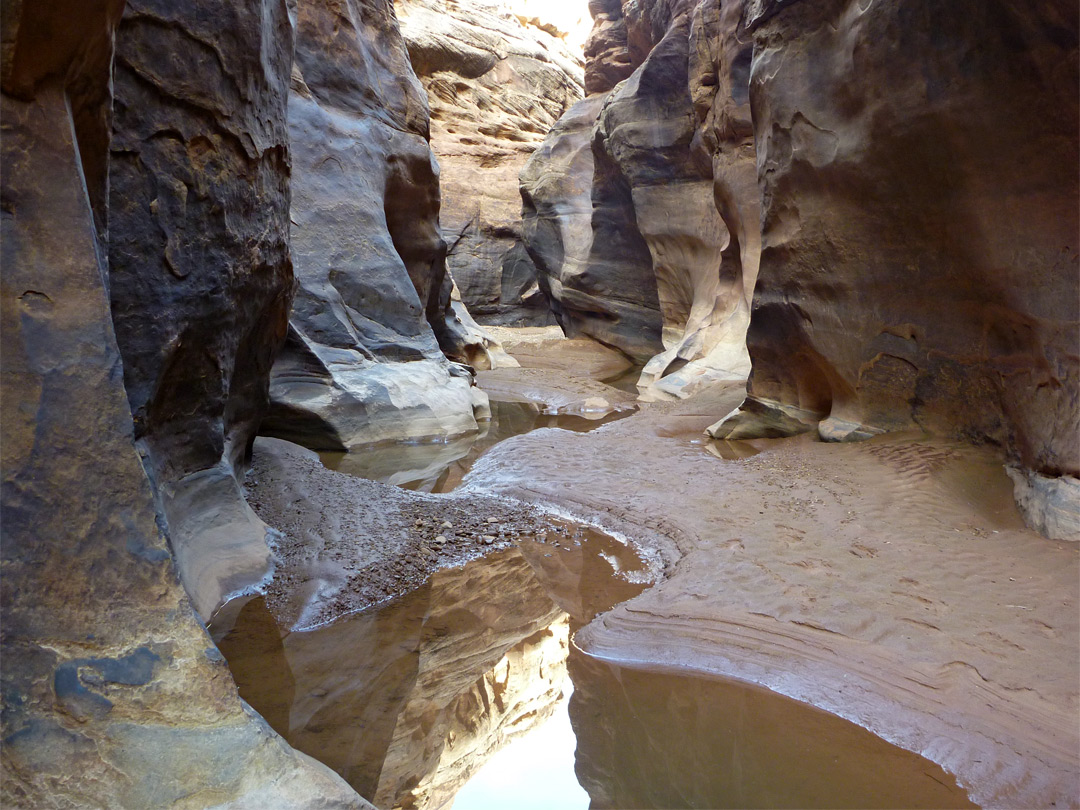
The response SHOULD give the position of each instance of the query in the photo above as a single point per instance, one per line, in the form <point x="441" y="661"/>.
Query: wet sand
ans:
<point x="890" y="582"/>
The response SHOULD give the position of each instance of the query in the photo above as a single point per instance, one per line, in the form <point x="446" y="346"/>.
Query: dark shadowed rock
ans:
<point x="920" y="258"/>
<point x="200" y="277"/>
<point x="361" y="363"/>
<point x="496" y="83"/>
<point x="113" y="694"/>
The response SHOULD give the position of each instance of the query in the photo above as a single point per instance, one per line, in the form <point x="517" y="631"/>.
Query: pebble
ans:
<point x="492" y="520"/>
<point x="440" y="539"/>
<point x="446" y="524"/>
<point x="488" y="539"/>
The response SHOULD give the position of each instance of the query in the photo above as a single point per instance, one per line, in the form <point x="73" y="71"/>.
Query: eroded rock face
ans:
<point x="496" y="83"/>
<point x="113" y="694"/>
<point x="361" y="362"/>
<point x="920" y="260"/>
<point x="630" y="215"/>
<point x="199" y="270"/>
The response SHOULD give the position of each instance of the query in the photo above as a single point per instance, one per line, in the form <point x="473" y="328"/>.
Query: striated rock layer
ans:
<point x="113" y="693"/>
<point x="920" y="259"/>
<point x="362" y="362"/>
<point x="496" y="83"/>
<point x="640" y="209"/>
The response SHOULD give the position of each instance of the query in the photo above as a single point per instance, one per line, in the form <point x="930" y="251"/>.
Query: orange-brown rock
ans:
<point x="630" y="216"/>
<point x="920" y="260"/>
<point x="496" y="83"/>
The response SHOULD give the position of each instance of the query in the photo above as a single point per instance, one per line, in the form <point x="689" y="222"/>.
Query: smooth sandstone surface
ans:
<point x="630" y="206"/>
<point x="113" y="693"/>
<point x="920" y="262"/>
<point x="199" y="273"/>
<point x="497" y="78"/>
<point x="362" y="363"/>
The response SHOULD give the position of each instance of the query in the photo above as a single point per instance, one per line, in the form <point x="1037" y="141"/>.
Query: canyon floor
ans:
<point x="890" y="582"/>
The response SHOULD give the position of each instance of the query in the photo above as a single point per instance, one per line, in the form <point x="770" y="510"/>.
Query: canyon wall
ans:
<point x="918" y="165"/>
<point x="113" y="693"/>
<point x="636" y="207"/>
<point x="362" y="362"/>
<point x="199" y="272"/>
<point x="496" y="81"/>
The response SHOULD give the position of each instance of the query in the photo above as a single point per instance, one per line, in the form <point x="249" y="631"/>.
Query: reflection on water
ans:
<point x="625" y="380"/>
<point x="406" y="701"/>
<point x="732" y="450"/>
<point x="440" y="466"/>
<point x="658" y="739"/>
<point x="537" y="770"/>
<point x="409" y="700"/>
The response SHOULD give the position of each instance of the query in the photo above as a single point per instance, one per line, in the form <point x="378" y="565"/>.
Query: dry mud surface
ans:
<point x="890" y="582"/>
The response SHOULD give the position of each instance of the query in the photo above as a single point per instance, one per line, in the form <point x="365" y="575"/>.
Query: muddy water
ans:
<point x="409" y="700"/>
<point x="648" y="738"/>
<point x="440" y="466"/>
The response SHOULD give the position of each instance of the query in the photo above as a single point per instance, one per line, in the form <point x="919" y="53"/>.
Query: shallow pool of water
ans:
<point x="409" y="700"/>
<point x="440" y="466"/>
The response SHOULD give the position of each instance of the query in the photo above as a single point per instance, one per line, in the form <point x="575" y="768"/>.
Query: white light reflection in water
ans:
<point x="534" y="772"/>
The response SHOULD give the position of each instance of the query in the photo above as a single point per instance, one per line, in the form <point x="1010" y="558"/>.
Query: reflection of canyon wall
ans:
<point x="920" y="242"/>
<point x="496" y="84"/>
<point x="362" y="362"/>
<point x="657" y="739"/>
<point x="113" y="693"/>
<point x="640" y="208"/>
<point x="432" y="684"/>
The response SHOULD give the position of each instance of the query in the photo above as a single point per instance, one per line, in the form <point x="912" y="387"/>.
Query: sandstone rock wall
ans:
<point x="113" y="694"/>
<point x="199" y="272"/>
<point x="496" y="83"/>
<point x="637" y="248"/>
<point x="362" y="363"/>
<point x="919" y="267"/>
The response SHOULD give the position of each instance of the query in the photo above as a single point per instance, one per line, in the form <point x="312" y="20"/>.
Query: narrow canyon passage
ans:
<point x="892" y="583"/>
<point x="622" y="404"/>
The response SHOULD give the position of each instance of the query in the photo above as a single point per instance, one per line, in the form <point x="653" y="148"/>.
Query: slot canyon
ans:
<point x="515" y="404"/>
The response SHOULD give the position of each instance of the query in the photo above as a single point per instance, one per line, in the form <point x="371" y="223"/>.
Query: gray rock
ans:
<point x="361" y="362"/>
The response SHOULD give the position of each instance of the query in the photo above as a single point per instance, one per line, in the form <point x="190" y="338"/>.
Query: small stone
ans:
<point x="446" y="524"/>
<point x="488" y="539"/>
<point x="492" y="520"/>
<point x="440" y="539"/>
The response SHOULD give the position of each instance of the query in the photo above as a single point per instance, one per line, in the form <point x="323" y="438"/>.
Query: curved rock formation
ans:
<point x="199" y="270"/>
<point x="496" y="83"/>
<point x="920" y="260"/>
<point x="361" y="363"/>
<point x="629" y="205"/>
<point x="113" y="693"/>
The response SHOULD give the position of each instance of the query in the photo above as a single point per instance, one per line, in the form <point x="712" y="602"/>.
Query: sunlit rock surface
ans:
<point x="361" y="362"/>
<point x="630" y="205"/>
<point x="920" y="257"/>
<point x="497" y="80"/>
<point x="113" y="694"/>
